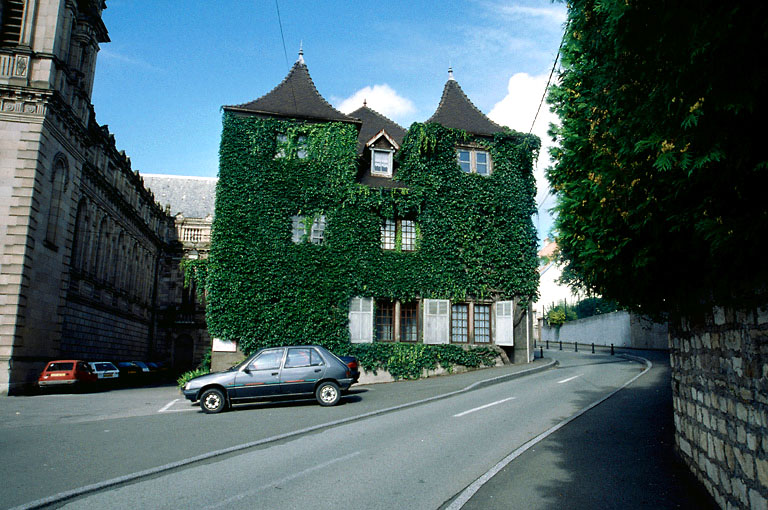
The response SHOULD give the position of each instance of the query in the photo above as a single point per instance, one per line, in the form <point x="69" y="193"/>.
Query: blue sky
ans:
<point x="171" y="65"/>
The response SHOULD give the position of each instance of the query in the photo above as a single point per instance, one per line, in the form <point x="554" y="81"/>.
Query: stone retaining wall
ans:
<point x="720" y="399"/>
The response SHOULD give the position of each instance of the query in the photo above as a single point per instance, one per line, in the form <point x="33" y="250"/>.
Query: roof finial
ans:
<point x="301" y="52"/>
<point x="450" y="73"/>
<point x="365" y="102"/>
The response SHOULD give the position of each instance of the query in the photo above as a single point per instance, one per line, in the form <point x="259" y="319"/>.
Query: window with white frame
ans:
<point x="317" y="232"/>
<point x="388" y="234"/>
<point x="283" y="146"/>
<point x="471" y="323"/>
<point x="299" y="226"/>
<point x="399" y="235"/>
<point x="474" y="161"/>
<point x="381" y="162"/>
<point x="301" y="147"/>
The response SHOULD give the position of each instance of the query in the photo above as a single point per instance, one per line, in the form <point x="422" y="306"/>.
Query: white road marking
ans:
<point x="569" y="379"/>
<point x="483" y="407"/>
<point x="475" y="486"/>
<point x="167" y="408"/>
<point x="168" y="405"/>
<point x="281" y="481"/>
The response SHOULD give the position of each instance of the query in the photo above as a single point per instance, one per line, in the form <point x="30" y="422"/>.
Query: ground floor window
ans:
<point x="385" y="314"/>
<point x="397" y="321"/>
<point x="438" y="321"/>
<point x="470" y="323"/>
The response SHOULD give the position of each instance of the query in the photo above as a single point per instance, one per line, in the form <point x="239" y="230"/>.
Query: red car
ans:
<point x="66" y="371"/>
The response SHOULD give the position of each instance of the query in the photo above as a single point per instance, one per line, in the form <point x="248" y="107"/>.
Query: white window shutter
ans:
<point x="437" y="321"/>
<point x="505" y="323"/>
<point x="361" y="320"/>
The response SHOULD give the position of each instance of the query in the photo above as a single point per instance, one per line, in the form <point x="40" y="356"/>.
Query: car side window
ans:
<point x="269" y="360"/>
<point x="317" y="360"/>
<point x="298" y="357"/>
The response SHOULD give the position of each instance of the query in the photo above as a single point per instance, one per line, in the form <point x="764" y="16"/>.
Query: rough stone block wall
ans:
<point x="720" y="399"/>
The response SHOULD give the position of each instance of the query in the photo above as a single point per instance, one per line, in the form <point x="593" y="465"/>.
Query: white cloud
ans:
<point x="556" y="14"/>
<point x="382" y="98"/>
<point x="518" y="110"/>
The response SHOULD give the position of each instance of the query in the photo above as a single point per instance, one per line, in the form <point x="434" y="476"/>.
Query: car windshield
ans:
<point x="57" y="367"/>
<point x="104" y="366"/>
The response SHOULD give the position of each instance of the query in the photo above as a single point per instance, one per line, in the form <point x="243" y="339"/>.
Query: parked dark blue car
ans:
<point x="275" y="373"/>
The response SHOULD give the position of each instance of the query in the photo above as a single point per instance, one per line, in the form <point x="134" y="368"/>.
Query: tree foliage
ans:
<point x="660" y="174"/>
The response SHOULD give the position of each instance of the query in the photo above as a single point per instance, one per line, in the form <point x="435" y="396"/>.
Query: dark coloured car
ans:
<point x="274" y="373"/>
<point x="130" y="372"/>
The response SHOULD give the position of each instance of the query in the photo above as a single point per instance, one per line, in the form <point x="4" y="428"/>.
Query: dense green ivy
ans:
<point x="475" y="234"/>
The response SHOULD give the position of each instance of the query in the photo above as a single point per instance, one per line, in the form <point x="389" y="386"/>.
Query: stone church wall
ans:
<point x="720" y="399"/>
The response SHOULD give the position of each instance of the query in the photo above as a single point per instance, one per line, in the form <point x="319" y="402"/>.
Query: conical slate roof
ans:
<point x="373" y="122"/>
<point x="295" y="97"/>
<point x="457" y="111"/>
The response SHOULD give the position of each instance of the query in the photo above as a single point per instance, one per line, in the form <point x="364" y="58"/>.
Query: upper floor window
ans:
<point x="12" y="13"/>
<point x="304" y="227"/>
<point x="474" y="161"/>
<point x="286" y="145"/>
<point x="399" y="234"/>
<point x="381" y="162"/>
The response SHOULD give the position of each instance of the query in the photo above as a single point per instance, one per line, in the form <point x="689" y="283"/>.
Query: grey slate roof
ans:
<point x="373" y="122"/>
<point x="457" y="111"/>
<point x="193" y="197"/>
<point x="295" y="97"/>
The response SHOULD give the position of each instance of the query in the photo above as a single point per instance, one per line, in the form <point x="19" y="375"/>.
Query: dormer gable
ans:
<point x="381" y="148"/>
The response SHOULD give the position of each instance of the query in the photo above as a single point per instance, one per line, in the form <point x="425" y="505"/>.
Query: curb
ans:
<point x="132" y="477"/>
<point x="458" y="501"/>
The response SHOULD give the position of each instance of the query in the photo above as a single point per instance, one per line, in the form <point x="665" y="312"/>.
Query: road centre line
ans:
<point x="475" y="486"/>
<point x="238" y="497"/>
<point x="483" y="407"/>
<point x="569" y="379"/>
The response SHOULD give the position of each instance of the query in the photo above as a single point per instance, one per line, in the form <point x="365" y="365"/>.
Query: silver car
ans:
<point x="104" y="369"/>
<point x="274" y="373"/>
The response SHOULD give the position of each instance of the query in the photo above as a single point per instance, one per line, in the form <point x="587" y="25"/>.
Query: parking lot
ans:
<point x="100" y="404"/>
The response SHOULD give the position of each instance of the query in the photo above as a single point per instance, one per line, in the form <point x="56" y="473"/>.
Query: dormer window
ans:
<point x="382" y="148"/>
<point x="381" y="162"/>
<point x="474" y="161"/>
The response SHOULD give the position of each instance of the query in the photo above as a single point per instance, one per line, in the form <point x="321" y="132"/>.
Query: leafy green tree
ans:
<point x="661" y="170"/>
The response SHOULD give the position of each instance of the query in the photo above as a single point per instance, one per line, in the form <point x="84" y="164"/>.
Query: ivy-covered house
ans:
<point x="349" y="230"/>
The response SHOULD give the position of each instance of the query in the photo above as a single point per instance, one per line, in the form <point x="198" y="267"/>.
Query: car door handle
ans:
<point x="318" y="370"/>
<point x="275" y="373"/>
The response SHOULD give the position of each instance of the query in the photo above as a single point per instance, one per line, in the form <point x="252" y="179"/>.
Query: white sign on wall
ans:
<point x="220" y="345"/>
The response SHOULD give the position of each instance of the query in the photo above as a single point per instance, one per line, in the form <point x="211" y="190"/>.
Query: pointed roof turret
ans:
<point x="373" y="122"/>
<point x="457" y="111"/>
<point x="296" y="97"/>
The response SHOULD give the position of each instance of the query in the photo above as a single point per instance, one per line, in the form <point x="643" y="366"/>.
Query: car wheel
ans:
<point x="213" y="401"/>
<point x="328" y="393"/>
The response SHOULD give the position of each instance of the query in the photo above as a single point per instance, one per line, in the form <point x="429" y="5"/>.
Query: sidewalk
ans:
<point x="619" y="454"/>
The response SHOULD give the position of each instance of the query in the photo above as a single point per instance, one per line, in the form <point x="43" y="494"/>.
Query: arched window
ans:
<point x="117" y="259"/>
<point x="80" y="242"/>
<point x="102" y="250"/>
<point x="59" y="178"/>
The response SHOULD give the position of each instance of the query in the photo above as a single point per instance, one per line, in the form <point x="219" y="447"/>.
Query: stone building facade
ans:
<point x="85" y="247"/>
<point x="181" y="308"/>
<point x="720" y="400"/>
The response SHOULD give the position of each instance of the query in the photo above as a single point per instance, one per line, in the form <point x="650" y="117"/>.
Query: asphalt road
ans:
<point x="413" y="457"/>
